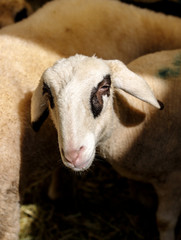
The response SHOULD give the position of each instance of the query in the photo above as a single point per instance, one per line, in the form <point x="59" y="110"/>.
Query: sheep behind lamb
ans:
<point x="140" y="142"/>
<point x="100" y="27"/>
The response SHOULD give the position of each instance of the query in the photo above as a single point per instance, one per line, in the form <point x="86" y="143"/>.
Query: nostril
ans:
<point x="81" y="149"/>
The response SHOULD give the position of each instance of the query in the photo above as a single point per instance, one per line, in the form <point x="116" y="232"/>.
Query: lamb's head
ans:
<point x="78" y="94"/>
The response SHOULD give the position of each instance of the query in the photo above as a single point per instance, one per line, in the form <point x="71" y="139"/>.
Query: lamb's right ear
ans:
<point x="131" y="83"/>
<point x="39" y="107"/>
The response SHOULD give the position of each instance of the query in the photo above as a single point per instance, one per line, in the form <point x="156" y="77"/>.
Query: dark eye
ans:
<point x="105" y="87"/>
<point x="97" y="94"/>
<point x="21" y="15"/>
<point x="48" y="94"/>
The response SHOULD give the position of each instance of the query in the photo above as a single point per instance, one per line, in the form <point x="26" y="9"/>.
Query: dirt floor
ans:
<point x="95" y="205"/>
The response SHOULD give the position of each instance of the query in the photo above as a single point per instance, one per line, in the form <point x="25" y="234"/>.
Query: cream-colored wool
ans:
<point x="60" y="29"/>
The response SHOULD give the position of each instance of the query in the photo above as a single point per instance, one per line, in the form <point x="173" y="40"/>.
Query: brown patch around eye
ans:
<point x="96" y="100"/>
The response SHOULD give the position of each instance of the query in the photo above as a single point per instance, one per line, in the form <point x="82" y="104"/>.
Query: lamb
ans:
<point x="101" y="115"/>
<point x="100" y="27"/>
<point x="13" y="11"/>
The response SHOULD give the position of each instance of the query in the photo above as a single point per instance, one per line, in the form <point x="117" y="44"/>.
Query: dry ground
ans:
<point x="95" y="205"/>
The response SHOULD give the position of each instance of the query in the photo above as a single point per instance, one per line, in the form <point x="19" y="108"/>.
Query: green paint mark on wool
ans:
<point x="169" y="72"/>
<point x="177" y="60"/>
<point x="166" y="73"/>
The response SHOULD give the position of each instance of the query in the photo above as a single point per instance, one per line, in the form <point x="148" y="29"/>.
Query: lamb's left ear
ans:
<point x="39" y="107"/>
<point x="131" y="83"/>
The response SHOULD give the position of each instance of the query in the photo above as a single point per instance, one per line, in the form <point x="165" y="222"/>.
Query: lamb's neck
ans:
<point x="126" y="124"/>
<point x="116" y="145"/>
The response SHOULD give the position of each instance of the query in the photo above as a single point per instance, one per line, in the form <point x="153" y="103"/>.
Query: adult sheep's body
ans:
<point x="60" y="29"/>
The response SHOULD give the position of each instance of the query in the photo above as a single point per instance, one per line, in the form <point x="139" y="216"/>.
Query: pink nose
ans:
<point x="74" y="156"/>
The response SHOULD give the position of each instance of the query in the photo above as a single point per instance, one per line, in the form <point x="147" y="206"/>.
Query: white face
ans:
<point x="80" y="102"/>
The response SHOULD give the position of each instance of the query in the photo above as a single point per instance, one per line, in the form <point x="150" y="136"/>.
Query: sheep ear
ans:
<point x="39" y="107"/>
<point x="131" y="83"/>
